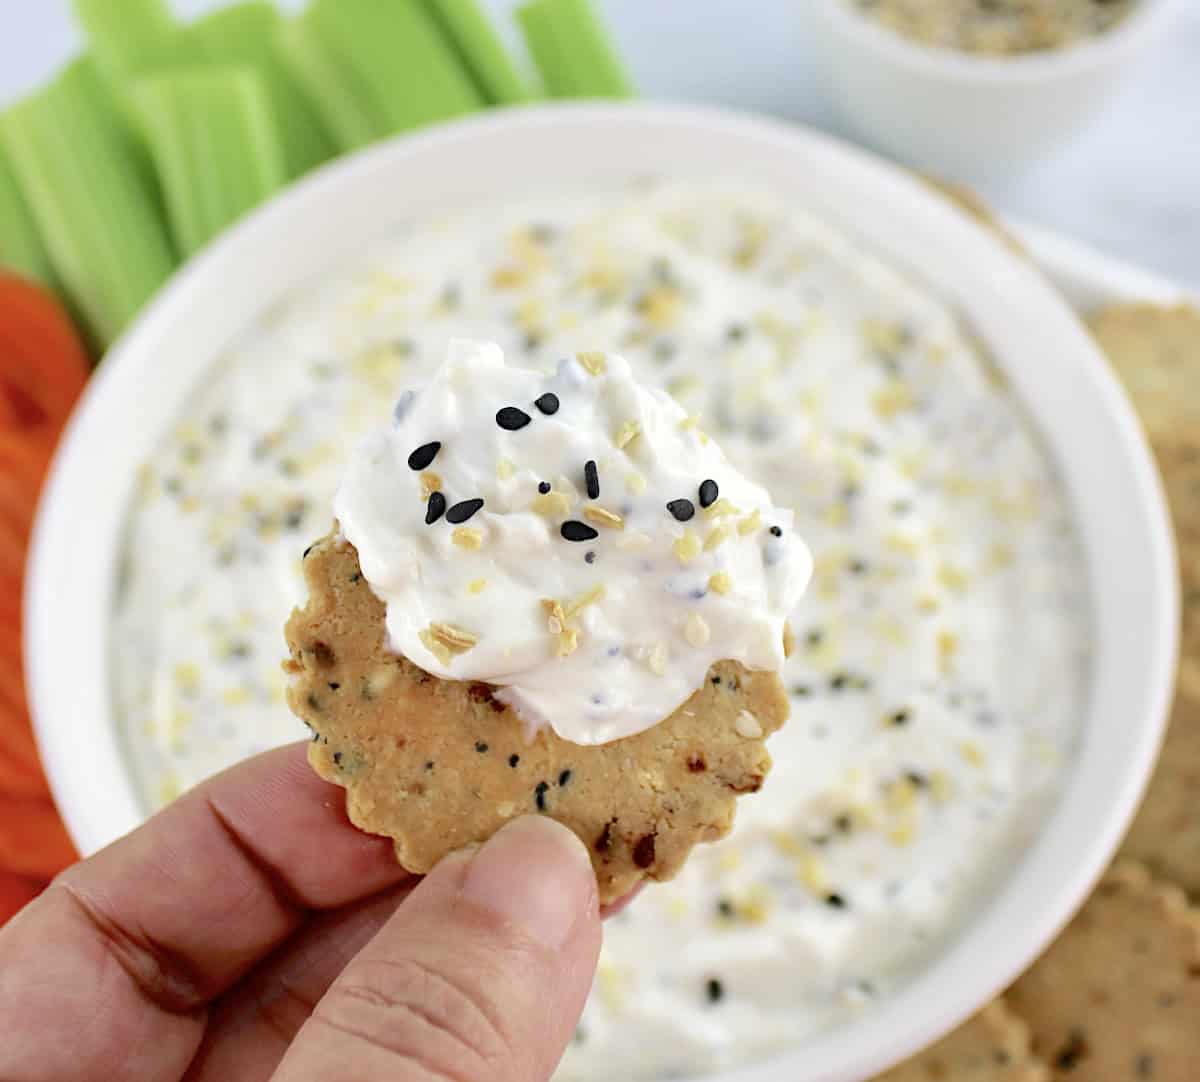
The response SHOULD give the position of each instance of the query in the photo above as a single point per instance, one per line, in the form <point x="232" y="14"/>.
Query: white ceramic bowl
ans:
<point x="965" y="116"/>
<point x="1088" y="425"/>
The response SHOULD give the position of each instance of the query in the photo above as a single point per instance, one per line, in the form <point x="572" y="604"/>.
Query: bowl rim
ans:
<point x="1147" y="19"/>
<point x="66" y="613"/>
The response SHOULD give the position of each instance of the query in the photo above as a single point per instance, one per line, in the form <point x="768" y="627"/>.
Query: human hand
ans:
<point x="248" y="932"/>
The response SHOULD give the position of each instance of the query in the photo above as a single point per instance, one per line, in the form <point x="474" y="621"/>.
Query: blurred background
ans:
<point x="1127" y="182"/>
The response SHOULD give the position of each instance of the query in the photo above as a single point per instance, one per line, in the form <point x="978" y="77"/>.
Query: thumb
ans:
<point x="480" y="976"/>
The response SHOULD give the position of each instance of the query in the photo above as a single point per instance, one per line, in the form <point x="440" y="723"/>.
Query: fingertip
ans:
<point x="536" y="874"/>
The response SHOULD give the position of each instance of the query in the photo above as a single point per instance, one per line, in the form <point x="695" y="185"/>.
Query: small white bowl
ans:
<point x="1050" y="361"/>
<point x="965" y="116"/>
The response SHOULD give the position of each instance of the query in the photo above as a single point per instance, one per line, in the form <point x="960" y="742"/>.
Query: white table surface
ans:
<point x="1129" y="185"/>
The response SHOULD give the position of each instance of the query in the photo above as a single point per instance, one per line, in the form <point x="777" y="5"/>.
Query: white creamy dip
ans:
<point x="573" y="537"/>
<point x="941" y="646"/>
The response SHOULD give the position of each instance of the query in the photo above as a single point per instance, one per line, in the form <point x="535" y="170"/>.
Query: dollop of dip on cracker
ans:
<point x="572" y="538"/>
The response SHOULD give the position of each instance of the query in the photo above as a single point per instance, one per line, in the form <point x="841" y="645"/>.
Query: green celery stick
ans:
<point x="480" y="50"/>
<point x="336" y="95"/>
<point x="131" y="37"/>
<point x="401" y="58"/>
<point x="21" y="247"/>
<point x="90" y="198"/>
<point x="246" y="33"/>
<point x="572" y="50"/>
<point x="215" y="144"/>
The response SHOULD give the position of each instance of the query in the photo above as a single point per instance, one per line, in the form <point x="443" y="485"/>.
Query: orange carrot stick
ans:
<point x="33" y="840"/>
<point x="15" y="892"/>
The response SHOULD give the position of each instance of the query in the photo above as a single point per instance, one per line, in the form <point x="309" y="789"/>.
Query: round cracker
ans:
<point x="438" y="764"/>
<point x="1156" y="353"/>
<point x="1117" y="997"/>
<point x="992" y="1046"/>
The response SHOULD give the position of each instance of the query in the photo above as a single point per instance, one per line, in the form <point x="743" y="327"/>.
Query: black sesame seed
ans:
<point x="564" y="777"/>
<point x="356" y="577"/>
<point x="801" y="691"/>
<point x="776" y="531"/>
<point x="422" y="458"/>
<point x="735" y="332"/>
<point x="814" y="637"/>
<point x="548" y="404"/>
<point x="573" y="530"/>
<point x="856" y="567"/>
<point x="435" y="509"/>
<point x="429" y="764"/>
<point x="513" y="760"/>
<point x="511" y="419"/>
<point x="308" y="550"/>
<point x="591" y="478"/>
<point x="681" y="510"/>
<point x="708" y="492"/>
<point x="725" y="908"/>
<point x="462" y="511"/>
<point x="539" y="795"/>
<point x="480" y="746"/>
<point x="334" y="685"/>
<point x="843" y="823"/>
<point x="838" y="681"/>
<point x="590" y="557"/>
<point x="714" y="990"/>
<point x="337" y="758"/>
<point x="835" y="900"/>
<point x="716" y="681"/>
<point x="544" y="487"/>
<point x="1072" y="1052"/>
<point x="916" y="779"/>
<point x="900" y="717"/>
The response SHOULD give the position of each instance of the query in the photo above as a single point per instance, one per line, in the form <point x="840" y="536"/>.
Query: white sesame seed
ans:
<point x="696" y="631"/>
<point x="747" y="725"/>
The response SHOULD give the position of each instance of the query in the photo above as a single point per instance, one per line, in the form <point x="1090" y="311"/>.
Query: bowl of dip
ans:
<point x="973" y="95"/>
<point x="984" y="656"/>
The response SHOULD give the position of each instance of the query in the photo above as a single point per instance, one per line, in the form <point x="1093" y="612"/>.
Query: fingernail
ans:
<point x="535" y="873"/>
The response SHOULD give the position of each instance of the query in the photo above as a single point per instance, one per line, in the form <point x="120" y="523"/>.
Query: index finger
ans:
<point x="108" y="974"/>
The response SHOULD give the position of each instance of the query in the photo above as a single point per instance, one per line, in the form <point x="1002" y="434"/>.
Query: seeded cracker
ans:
<point x="993" y="1046"/>
<point x="1117" y="997"/>
<point x="437" y="764"/>
<point x="1156" y="352"/>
